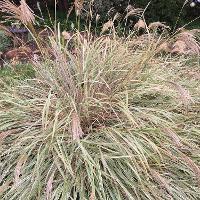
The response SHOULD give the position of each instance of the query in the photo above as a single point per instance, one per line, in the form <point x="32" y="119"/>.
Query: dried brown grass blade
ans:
<point x="173" y="136"/>
<point x="3" y="135"/>
<point x="76" y="129"/>
<point x="194" y="167"/>
<point x="160" y="180"/>
<point x="184" y="94"/>
<point x="49" y="187"/>
<point x="92" y="196"/>
<point x="20" y="163"/>
<point x="4" y="187"/>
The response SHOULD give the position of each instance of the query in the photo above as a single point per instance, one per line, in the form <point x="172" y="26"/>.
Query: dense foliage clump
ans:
<point x="158" y="10"/>
<point x="110" y="121"/>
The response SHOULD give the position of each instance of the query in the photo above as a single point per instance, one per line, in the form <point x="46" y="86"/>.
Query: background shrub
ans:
<point x="5" y="41"/>
<point x="158" y="10"/>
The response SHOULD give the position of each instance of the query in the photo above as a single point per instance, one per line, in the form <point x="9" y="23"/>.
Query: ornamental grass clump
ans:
<point x="105" y="122"/>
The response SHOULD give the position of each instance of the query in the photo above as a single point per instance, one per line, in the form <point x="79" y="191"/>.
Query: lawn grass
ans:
<point x="10" y="74"/>
<point x="19" y="71"/>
